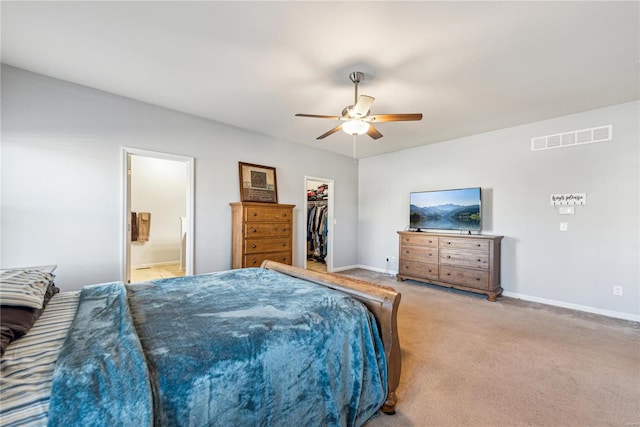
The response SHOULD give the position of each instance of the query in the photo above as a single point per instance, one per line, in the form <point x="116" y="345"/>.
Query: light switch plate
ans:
<point x="563" y="226"/>
<point x="566" y="210"/>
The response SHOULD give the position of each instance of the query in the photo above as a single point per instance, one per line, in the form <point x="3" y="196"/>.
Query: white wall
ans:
<point x="158" y="186"/>
<point x="61" y="187"/>
<point x="574" y="268"/>
<point x="61" y="195"/>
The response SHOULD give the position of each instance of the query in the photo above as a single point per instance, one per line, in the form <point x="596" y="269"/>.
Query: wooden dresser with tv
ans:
<point x="466" y="262"/>
<point x="260" y="231"/>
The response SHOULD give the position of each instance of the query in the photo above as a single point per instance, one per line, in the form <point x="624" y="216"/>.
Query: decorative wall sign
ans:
<point x="569" y="199"/>
<point x="257" y="183"/>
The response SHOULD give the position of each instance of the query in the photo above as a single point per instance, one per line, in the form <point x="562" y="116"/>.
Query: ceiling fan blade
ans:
<point x="363" y="105"/>
<point x="393" y="117"/>
<point x="373" y="132"/>
<point x="332" y="131"/>
<point x="317" y="116"/>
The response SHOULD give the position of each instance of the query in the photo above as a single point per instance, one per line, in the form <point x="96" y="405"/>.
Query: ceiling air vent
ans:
<point x="576" y="137"/>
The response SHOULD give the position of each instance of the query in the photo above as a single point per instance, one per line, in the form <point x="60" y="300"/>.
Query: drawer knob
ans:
<point x="253" y="246"/>
<point x="478" y="279"/>
<point x="478" y="244"/>
<point x="448" y="243"/>
<point x="284" y="214"/>
<point x="448" y="274"/>
<point x="479" y="260"/>
<point x="406" y="252"/>
<point x="448" y="256"/>
<point x="254" y="261"/>
<point x="284" y="244"/>
<point x="284" y="229"/>
<point x="253" y="230"/>
<point x="283" y="259"/>
<point x="254" y="214"/>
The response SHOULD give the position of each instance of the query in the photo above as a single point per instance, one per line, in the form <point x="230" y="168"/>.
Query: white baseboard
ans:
<point x="378" y="270"/>
<point x="155" y="264"/>
<point x="348" y="267"/>
<point x="585" y="308"/>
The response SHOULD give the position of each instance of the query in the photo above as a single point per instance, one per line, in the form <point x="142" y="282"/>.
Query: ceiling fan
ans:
<point x="356" y="118"/>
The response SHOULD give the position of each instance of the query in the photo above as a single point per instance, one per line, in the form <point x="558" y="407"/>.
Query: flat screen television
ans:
<point x="458" y="209"/>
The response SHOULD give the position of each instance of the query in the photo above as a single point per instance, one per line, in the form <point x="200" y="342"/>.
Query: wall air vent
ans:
<point x="576" y="137"/>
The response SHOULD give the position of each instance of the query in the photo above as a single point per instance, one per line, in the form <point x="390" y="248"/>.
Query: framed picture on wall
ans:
<point x="257" y="183"/>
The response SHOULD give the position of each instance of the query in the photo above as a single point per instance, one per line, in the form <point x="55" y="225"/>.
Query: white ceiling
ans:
<point x="469" y="67"/>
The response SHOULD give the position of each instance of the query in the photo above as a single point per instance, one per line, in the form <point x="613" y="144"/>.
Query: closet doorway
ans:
<point x="158" y="215"/>
<point x="319" y="213"/>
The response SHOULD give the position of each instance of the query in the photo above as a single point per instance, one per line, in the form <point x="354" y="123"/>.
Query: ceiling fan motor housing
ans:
<point x="351" y="113"/>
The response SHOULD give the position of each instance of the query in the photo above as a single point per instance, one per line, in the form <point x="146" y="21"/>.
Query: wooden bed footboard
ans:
<point x="382" y="301"/>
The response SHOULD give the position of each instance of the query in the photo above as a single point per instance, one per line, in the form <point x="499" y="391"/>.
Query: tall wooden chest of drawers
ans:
<point x="260" y="231"/>
<point x="467" y="262"/>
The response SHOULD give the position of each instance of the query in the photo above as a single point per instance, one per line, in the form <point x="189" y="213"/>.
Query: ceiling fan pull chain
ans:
<point x="354" y="150"/>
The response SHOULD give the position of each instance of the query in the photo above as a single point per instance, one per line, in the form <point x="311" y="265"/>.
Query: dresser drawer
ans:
<point x="473" y="278"/>
<point x="419" y="269"/>
<point x="266" y="213"/>
<point x="267" y="230"/>
<point x="418" y="239"/>
<point x="419" y="253"/>
<point x="471" y="259"/>
<point x="254" y="246"/>
<point x="478" y="244"/>
<point x="257" y="259"/>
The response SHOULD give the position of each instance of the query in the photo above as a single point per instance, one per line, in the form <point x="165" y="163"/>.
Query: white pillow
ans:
<point x="24" y="288"/>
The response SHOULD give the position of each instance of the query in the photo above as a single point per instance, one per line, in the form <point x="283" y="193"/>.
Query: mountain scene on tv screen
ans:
<point x="448" y="217"/>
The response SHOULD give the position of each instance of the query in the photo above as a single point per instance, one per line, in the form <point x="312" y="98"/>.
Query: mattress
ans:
<point x="26" y="369"/>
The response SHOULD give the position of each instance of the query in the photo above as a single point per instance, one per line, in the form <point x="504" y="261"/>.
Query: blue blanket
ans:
<point x="254" y="347"/>
<point x="101" y="376"/>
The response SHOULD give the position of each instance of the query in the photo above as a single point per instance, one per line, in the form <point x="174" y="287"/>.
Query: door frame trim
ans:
<point x="330" y="203"/>
<point x="189" y="162"/>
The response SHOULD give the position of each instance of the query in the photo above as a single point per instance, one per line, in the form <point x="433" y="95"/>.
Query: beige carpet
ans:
<point x="471" y="362"/>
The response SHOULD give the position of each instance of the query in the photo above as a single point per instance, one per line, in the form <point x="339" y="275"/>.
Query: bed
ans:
<point x="258" y="346"/>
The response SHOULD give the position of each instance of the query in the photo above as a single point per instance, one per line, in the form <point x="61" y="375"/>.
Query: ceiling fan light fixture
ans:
<point x="356" y="118"/>
<point x="355" y="127"/>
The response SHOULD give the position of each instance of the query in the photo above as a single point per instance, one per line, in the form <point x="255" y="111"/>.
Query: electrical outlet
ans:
<point x="617" y="291"/>
<point x="564" y="226"/>
<point x="392" y="259"/>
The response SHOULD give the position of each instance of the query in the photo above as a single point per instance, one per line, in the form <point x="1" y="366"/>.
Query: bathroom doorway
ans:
<point x="158" y="215"/>
<point x="319" y="224"/>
